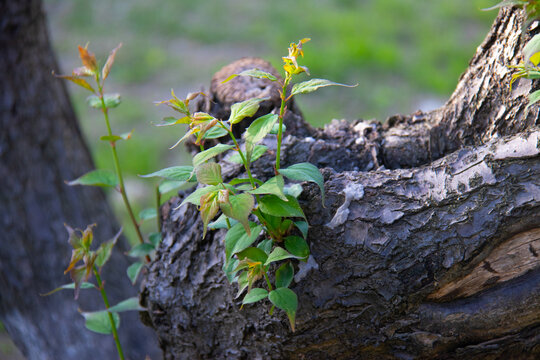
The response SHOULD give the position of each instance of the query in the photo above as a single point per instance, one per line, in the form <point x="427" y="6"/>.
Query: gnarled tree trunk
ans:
<point x="41" y="147"/>
<point x="427" y="247"/>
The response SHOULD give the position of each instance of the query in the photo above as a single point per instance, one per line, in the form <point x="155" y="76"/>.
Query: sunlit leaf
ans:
<point x="256" y="73"/>
<point x="244" y="109"/>
<point x="133" y="271"/>
<point x="209" y="208"/>
<point x="210" y="153"/>
<point x="531" y="49"/>
<point x="195" y="197"/>
<point x="109" y="62"/>
<point x="99" y="321"/>
<point x="96" y="178"/>
<point x="293" y="190"/>
<point x="284" y="275"/>
<point x="273" y="186"/>
<point x="285" y="299"/>
<point x="110" y="100"/>
<point x="305" y="172"/>
<point x="88" y="59"/>
<point x="78" y="81"/>
<point x="178" y="173"/>
<point x="260" y="128"/>
<point x="171" y="120"/>
<point x="255" y="295"/>
<point x="215" y="132"/>
<point x="314" y="84"/>
<point x="209" y="173"/>
<point x="131" y="304"/>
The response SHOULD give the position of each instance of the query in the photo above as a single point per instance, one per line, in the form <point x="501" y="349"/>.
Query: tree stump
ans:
<point x="427" y="247"/>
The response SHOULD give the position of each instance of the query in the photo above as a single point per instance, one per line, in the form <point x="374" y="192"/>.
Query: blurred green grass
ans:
<point x="404" y="54"/>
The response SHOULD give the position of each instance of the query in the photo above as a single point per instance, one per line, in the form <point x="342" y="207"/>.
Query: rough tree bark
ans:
<point x="40" y="147"/>
<point x="427" y="248"/>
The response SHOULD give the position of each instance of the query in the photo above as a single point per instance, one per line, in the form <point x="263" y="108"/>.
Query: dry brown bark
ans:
<point x="427" y="247"/>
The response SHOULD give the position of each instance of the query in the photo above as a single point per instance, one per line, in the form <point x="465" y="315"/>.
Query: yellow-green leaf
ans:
<point x="244" y="109"/>
<point x="314" y="84"/>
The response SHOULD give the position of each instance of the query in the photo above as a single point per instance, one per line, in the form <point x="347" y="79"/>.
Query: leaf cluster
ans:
<point x="266" y="226"/>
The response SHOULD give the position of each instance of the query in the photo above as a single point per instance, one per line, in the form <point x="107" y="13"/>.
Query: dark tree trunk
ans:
<point x="40" y="147"/>
<point x="427" y="248"/>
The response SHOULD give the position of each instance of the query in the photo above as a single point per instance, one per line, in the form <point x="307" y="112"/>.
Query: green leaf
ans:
<point x="293" y="190"/>
<point x="131" y="304"/>
<point x="237" y="238"/>
<point x="221" y="223"/>
<point x="266" y="245"/>
<point x="252" y="253"/>
<point x="141" y="250"/>
<point x="195" y="197"/>
<point x="105" y="249"/>
<point x="99" y="322"/>
<point x="178" y="173"/>
<point x="169" y="185"/>
<point x="111" y="101"/>
<point x="284" y="275"/>
<point x="297" y="246"/>
<point x="243" y="283"/>
<point x="275" y="129"/>
<point x="239" y="207"/>
<point x="115" y="138"/>
<point x="228" y="269"/>
<point x="273" y="186"/>
<point x="147" y="214"/>
<point x="305" y="172"/>
<point x="155" y="239"/>
<point x="133" y="271"/>
<point x="210" y="153"/>
<point x="260" y="128"/>
<point x="209" y="173"/>
<point x="257" y="152"/>
<point x="96" y="178"/>
<point x="209" y="208"/>
<point x="285" y="299"/>
<point x="70" y="286"/>
<point x="171" y="120"/>
<point x="303" y="226"/>
<point x="215" y="132"/>
<point x="273" y="205"/>
<point x="313" y="84"/>
<point x="77" y="80"/>
<point x="244" y="109"/>
<point x="278" y="254"/>
<point x="533" y="98"/>
<point x="256" y="73"/>
<point x="532" y="47"/>
<point x="506" y="3"/>
<point x="255" y="295"/>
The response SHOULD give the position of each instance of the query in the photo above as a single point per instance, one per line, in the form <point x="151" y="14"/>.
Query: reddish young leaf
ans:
<point x="109" y="63"/>
<point x="88" y="59"/>
<point x="81" y="82"/>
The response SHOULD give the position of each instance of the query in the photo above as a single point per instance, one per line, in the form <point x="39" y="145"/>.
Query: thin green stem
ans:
<point x="281" y="113"/>
<point x="268" y="281"/>
<point x="118" y="170"/>
<point x="244" y="160"/>
<point x="111" y="318"/>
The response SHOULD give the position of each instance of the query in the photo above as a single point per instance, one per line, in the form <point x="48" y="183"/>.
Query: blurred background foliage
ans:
<point x="404" y="54"/>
